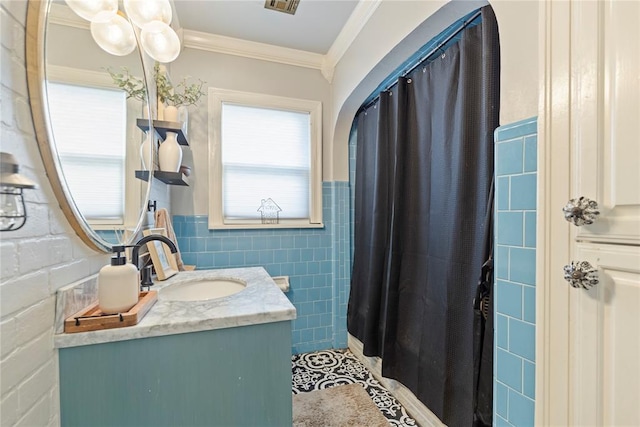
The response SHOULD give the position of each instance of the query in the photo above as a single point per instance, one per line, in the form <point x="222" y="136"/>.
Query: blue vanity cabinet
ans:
<point x="239" y="376"/>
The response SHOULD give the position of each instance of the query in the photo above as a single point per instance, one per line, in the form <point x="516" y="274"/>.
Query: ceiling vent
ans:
<point x="286" y="6"/>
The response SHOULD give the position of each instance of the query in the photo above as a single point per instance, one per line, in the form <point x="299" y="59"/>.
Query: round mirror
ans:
<point x="86" y="120"/>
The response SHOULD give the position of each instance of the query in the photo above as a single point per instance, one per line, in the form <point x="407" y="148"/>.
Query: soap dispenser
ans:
<point x="118" y="284"/>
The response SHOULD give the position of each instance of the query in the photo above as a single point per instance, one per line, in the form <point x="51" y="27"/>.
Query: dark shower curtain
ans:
<point x="424" y="167"/>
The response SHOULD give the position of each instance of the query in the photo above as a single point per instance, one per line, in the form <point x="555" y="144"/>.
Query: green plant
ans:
<point x="181" y="94"/>
<point x="133" y="86"/>
<point x="186" y="95"/>
<point x="163" y="87"/>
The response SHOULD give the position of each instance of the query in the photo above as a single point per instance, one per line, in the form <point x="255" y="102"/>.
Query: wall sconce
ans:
<point x="13" y="212"/>
<point x="112" y="32"/>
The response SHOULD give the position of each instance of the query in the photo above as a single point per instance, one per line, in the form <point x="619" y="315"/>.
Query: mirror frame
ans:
<point x="36" y="27"/>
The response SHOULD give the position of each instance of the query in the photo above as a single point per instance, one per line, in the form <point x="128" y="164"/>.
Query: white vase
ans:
<point x="170" y="153"/>
<point x="171" y="113"/>
<point x="146" y="155"/>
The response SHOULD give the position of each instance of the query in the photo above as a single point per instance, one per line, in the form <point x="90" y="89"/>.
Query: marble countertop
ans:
<point x="260" y="302"/>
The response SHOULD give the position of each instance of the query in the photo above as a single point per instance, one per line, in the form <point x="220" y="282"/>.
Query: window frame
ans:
<point x="217" y="97"/>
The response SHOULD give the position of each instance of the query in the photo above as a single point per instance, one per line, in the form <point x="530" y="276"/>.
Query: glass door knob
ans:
<point x="581" y="274"/>
<point x="582" y="211"/>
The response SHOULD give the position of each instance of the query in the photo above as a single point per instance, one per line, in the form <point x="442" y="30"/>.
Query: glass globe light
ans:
<point x="94" y="10"/>
<point x="160" y="41"/>
<point x="142" y="12"/>
<point x="114" y="36"/>
<point x="13" y="212"/>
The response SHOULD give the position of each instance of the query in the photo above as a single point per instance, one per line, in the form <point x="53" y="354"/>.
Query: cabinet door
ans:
<point x="604" y="355"/>
<point x="605" y="110"/>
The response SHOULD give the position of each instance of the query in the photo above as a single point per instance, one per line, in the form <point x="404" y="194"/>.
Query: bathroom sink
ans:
<point x="202" y="290"/>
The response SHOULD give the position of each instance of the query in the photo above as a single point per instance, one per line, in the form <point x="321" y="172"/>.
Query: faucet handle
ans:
<point x="146" y="280"/>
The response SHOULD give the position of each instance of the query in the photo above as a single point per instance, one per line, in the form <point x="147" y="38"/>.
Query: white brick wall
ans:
<point x="34" y="261"/>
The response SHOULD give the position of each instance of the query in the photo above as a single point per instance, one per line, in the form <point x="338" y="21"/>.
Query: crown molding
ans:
<point x="249" y="49"/>
<point x="266" y="52"/>
<point x="359" y="17"/>
<point x="63" y="15"/>
<point x="327" y="69"/>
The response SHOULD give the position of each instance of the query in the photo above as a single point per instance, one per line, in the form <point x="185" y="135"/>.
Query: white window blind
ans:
<point x="90" y="128"/>
<point x="265" y="155"/>
<point x="265" y="161"/>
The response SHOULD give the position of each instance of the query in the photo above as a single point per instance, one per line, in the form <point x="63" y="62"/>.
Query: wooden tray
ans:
<point x="92" y="319"/>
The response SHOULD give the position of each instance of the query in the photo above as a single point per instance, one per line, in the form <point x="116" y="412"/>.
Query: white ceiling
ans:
<point x="314" y="27"/>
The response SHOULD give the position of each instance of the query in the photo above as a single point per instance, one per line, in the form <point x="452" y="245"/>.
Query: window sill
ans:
<point x="106" y="226"/>
<point x="262" y="226"/>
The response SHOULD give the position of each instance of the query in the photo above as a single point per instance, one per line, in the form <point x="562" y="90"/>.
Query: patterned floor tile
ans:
<point x="329" y="368"/>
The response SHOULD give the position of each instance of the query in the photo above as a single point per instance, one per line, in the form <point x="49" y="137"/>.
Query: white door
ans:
<point x="589" y="337"/>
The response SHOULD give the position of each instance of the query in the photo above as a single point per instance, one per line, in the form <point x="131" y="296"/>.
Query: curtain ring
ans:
<point x="409" y="80"/>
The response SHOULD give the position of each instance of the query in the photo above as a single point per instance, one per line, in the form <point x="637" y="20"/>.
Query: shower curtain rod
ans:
<point x="404" y="73"/>
<point x="444" y="42"/>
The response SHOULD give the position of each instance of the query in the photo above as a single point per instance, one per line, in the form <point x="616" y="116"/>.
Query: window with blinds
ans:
<point x="91" y="147"/>
<point x="265" y="171"/>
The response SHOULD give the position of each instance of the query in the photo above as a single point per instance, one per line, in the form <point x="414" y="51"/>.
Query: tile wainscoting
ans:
<point x="515" y="264"/>
<point x="316" y="260"/>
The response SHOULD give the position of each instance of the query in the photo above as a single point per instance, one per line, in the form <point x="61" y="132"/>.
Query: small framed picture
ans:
<point x="163" y="260"/>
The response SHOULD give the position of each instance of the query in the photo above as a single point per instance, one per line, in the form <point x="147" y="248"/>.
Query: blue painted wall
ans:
<point x="515" y="264"/>
<point x="316" y="261"/>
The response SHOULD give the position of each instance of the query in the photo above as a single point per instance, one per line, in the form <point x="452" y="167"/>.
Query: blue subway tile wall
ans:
<point x="515" y="265"/>
<point x="341" y="257"/>
<point x="316" y="261"/>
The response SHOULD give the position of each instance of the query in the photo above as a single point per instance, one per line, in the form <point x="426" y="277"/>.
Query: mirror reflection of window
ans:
<point x="90" y="128"/>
